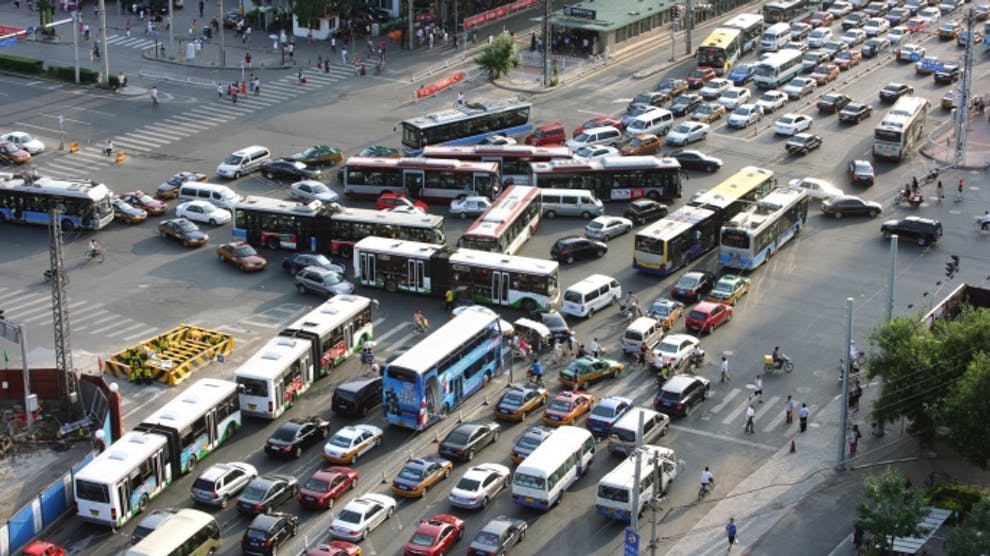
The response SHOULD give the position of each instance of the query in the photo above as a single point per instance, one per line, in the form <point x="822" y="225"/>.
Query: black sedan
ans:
<point x="558" y="326"/>
<point x="696" y="160"/>
<point x="685" y="104"/>
<point x="571" y="248"/>
<point x="285" y="168"/>
<point x="296" y="434"/>
<point x="850" y="205"/>
<point x="833" y="102"/>
<point x="498" y="536"/>
<point x="182" y="231"/>
<point x="893" y="91"/>
<point x="948" y="75"/>
<point x="644" y="210"/>
<point x="294" y="263"/>
<point x="266" y="493"/>
<point x="693" y="285"/>
<point x="468" y="439"/>
<point x="803" y="143"/>
<point x="855" y="112"/>
<point x="267" y="533"/>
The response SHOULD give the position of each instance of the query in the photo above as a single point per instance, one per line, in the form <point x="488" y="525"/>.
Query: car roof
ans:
<point x="157" y="517"/>
<point x="612" y="401"/>
<point x="264" y="521"/>
<point x="499" y="525"/>
<point x="678" y="383"/>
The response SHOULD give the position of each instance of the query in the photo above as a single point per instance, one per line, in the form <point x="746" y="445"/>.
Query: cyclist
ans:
<point x="94" y="248"/>
<point x="707" y="482"/>
<point x="644" y="351"/>
<point x="558" y="352"/>
<point x="420" y="322"/>
<point x="536" y="370"/>
<point x="776" y="356"/>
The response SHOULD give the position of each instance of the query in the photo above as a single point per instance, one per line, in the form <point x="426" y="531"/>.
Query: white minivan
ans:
<point x="622" y="437"/>
<point x="591" y="294"/>
<point x="220" y="195"/>
<point x="658" y="122"/>
<point x="643" y="330"/>
<point x="570" y="202"/>
<point x="606" y="135"/>
<point x="243" y="162"/>
<point x="775" y="37"/>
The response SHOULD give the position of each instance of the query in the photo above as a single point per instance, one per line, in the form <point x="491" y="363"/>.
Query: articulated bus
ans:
<point x="483" y="277"/>
<point x="514" y="160"/>
<point x="466" y="124"/>
<point x="736" y="193"/>
<point x="286" y="367"/>
<point x="783" y="11"/>
<point x="620" y="178"/>
<point x="28" y="199"/>
<point x="778" y="68"/>
<point x="443" y="370"/>
<point x="328" y="229"/>
<point x="430" y="179"/>
<point x="751" y="26"/>
<point x="614" y="499"/>
<point x="720" y="50"/>
<point x="541" y="479"/>
<point x="511" y="220"/>
<point x="755" y="234"/>
<point x="675" y="240"/>
<point x="900" y="130"/>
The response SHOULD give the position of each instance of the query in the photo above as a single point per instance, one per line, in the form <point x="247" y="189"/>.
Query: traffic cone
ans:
<point x="793" y="448"/>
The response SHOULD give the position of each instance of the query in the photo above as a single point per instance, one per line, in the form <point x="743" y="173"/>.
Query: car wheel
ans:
<point x="711" y="168"/>
<point x="484" y="502"/>
<point x="873" y="213"/>
<point x="569" y="259"/>
<point x="242" y="267"/>
<point x="224" y="500"/>
<point x="705" y="393"/>
<point x="391" y="286"/>
<point x="237" y="175"/>
<point x="922" y="241"/>
<point x="586" y="215"/>
<point x="687" y="410"/>
<point x="297" y="453"/>
<point x="269" y="175"/>
<point x="600" y="253"/>
<point x="550" y="215"/>
<point x="301" y="288"/>
<point x="591" y="312"/>
<point x="470" y="455"/>
<point x="462" y="215"/>
<point x="887" y="234"/>
<point x="423" y="493"/>
<point x="838" y="214"/>
<point x="391" y="512"/>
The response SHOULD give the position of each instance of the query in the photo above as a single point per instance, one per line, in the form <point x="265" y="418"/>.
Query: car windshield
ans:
<point x="486" y="539"/>
<point x="286" y="434"/>
<point x="458" y="438"/>
<point x="586" y="152"/>
<point x="681" y="100"/>
<point x="185" y="227"/>
<point x="862" y="167"/>
<point x="331" y="279"/>
<point x="349" y="516"/>
<point x="257" y="534"/>
<point x="769" y="97"/>
<point x="683" y="128"/>
<point x="583" y="138"/>
<point x="603" y="411"/>
<point x="340" y="441"/>
<point x="469" y="485"/>
<point x="667" y="348"/>
<point x="595" y="225"/>
<point x="512" y="399"/>
<point x="643" y="97"/>
<point x="742" y="111"/>
<point x="411" y="473"/>
<point x="318" y="188"/>
<point x="687" y="282"/>
<point x="560" y="405"/>
<point x="253" y="492"/>
<point x="318" y="485"/>
<point x="529" y="442"/>
<point x="245" y="251"/>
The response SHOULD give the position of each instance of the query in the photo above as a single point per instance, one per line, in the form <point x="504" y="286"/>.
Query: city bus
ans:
<point x="675" y="240"/>
<point x="737" y="192"/>
<point x="614" y="499"/>
<point x="778" y="68"/>
<point x="720" y="50"/>
<point x="444" y="369"/>
<point x="430" y="179"/>
<point x="513" y="160"/>
<point x="756" y="233"/>
<point x="481" y="277"/>
<point x="751" y="27"/>
<point x="196" y="422"/>
<point x="783" y="11"/>
<point x="28" y="199"/>
<point x="900" y="130"/>
<point x="466" y="124"/>
<point x="339" y="327"/>
<point x="187" y="533"/>
<point x="511" y="220"/>
<point x="541" y="479"/>
<point x="621" y="178"/>
<point x="326" y="228"/>
<point x="121" y="481"/>
<point x="282" y="370"/>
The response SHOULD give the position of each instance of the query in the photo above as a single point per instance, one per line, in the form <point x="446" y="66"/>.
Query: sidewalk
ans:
<point x="940" y="144"/>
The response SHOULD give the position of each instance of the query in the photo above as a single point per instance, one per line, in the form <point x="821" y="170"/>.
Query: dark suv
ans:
<point x="357" y="397"/>
<point x="569" y="249"/>
<point x="644" y="210"/>
<point x="921" y="230"/>
<point x="681" y="393"/>
<point x="268" y="532"/>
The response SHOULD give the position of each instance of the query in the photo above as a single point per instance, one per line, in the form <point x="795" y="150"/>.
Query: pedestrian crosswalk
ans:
<point x="204" y="116"/>
<point x="132" y="41"/>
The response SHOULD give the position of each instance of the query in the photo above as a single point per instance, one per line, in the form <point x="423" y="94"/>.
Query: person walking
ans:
<point x="803" y="416"/>
<point x="723" y="373"/>
<point x="594" y="347"/>
<point x="750" y="417"/>
<point x="244" y="88"/>
<point x="201" y="7"/>
<point x="257" y="86"/>
<point x="789" y="411"/>
<point x="959" y="191"/>
<point x="448" y="299"/>
<point x="854" y="437"/>
<point x="757" y="389"/>
<point x="939" y="192"/>
<point x="460" y="98"/>
<point x="333" y="44"/>
<point x="219" y="91"/>
<point x="108" y="147"/>
<point x="730" y="532"/>
<point x="233" y="93"/>
<point x="343" y="56"/>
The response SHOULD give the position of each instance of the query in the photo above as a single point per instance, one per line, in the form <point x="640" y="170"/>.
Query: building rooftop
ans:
<point x="608" y="15"/>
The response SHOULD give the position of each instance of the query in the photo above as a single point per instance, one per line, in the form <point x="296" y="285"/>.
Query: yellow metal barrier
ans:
<point x="74" y="147"/>
<point x="170" y="357"/>
<point x="121" y="157"/>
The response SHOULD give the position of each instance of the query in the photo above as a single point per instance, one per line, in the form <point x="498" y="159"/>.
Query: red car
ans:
<point x="335" y="548"/>
<point x="391" y="200"/>
<point x="325" y="486"/>
<point x="598" y="121"/>
<point x="818" y="19"/>
<point x="567" y="406"/>
<point x="916" y="24"/>
<point x="707" y="316"/>
<point x="142" y="200"/>
<point x="435" y="536"/>
<point x="700" y="76"/>
<point x="43" y="548"/>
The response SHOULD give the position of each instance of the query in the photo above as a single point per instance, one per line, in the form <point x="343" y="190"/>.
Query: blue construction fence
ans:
<point x="52" y="504"/>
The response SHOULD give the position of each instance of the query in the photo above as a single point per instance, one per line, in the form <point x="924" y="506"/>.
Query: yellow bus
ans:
<point x="720" y="50"/>
<point x="740" y="190"/>
<point x="187" y="533"/>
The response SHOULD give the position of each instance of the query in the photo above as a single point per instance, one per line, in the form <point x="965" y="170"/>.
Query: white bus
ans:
<point x="122" y="480"/>
<point x="615" y="490"/>
<point x="511" y="220"/>
<point x="778" y="68"/>
<point x="514" y="160"/>
<point x="29" y="199"/>
<point x="196" y="422"/>
<point x="901" y="129"/>
<point x="276" y="375"/>
<point x="187" y="533"/>
<point x="541" y="479"/>
<point x="751" y="27"/>
<point x="756" y="233"/>
<point x="339" y="327"/>
<point x="467" y="124"/>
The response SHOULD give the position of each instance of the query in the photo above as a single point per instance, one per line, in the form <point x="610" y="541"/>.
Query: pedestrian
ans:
<point x="803" y="416"/>
<point x="247" y="34"/>
<point x="127" y="30"/>
<point x="959" y="194"/>
<point x="201" y="7"/>
<point x="757" y="389"/>
<point x="789" y="411"/>
<point x="724" y="370"/>
<point x="244" y="88"/>
<point x="730" y="532"/>
<point x="854" y="437"/>
<point x="491" y="38"/>
<point x="381" y="49"/>
<point x="333" y="44"/>
<point x="257" y="86"/>
<point x="939" y="191"/>
<point x="449" y="300"/>
<point x="219" y="91"/>
<point x="292" y="50"/>
<point x="309" y="35"/>
<point x="85" y="31"/>
<point x="460" y="98"/>
<point x="594" y="347"/>
<point x="570" y="342"/>
<point x="108" y="147"/>
<point x="858" y="536"/>
<point x="750" y="416"/>
<point x="343" y="55"/>
<point x="149" y="28"/>
<point x="233" y="93"/>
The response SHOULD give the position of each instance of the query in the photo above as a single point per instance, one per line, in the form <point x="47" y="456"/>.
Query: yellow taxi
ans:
<point x="349" y="443"/>
<point x="587" y="369"/>
<point x="567" y="407"/>
<point x="519" y="400"/>
<point x="419" y="474"/>
<point x="729" y="289"/>
<point x="667" y="311"/>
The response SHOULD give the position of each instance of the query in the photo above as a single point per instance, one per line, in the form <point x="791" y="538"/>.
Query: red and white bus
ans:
<point x="619" y="178"/>
<point x="421" y="178"/>
<point x="322" y="228"/>
<point x="514" y="160"/>
<point x="507" y="224"/>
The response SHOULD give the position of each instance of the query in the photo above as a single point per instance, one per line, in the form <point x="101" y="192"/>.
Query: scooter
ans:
<point x="911" y="198"/>
<point x="932" y="175"/>
<point x="783" y="362"/>
<point x="534" y="378"/>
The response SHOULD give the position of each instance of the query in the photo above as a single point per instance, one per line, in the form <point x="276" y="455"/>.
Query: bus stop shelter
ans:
<point x="930" y="523"/>
<point x="605" y="25"/>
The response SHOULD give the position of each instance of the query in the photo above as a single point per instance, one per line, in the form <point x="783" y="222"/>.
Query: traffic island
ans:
<point x="170" y="357"/>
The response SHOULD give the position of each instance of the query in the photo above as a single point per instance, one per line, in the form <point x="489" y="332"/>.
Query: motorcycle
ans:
<point x="51" y="273"/>
<point x="783" y="362"/>
<point x="915" y="199"/>
<point x="694" y="361"/>
<point x="932" y="175"/>
<point x="534" y="378"/>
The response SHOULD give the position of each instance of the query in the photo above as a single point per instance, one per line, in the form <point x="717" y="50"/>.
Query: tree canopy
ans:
<point x="972" y="536"/>
<point x="500" y="57"/>
<point x="890" y="508"/>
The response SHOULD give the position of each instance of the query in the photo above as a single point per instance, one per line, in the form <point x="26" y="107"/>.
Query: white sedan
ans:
<point x="479" y="485"/>
<point x="733" y="97"/>
<point x="361" y="515"/>
<point x="203" y="211"/>
<point x="673" y="350"/>
<point x="816" y="188"/>
<point x="771" y="100"/>
<point x="469" y="206"/>
<point x="790" y="123"/>
<point x="714" y="88"/>
<point x="312" y="190"/>
<point x="688" y="132"/>
<point x="605" y="228"/>
<point x="799" y="86"/>
<point x="350" y="442"/>
<point x="24" y="141"/>
<point x="596" y="152"/>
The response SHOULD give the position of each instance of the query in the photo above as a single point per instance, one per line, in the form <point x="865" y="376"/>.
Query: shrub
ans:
<point x="958" y="498"/>
<point x="20" y="64"/>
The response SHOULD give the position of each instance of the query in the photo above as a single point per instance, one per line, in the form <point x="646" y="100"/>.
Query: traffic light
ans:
<point x="676" y="10"/>
<point x="952" y="266"/>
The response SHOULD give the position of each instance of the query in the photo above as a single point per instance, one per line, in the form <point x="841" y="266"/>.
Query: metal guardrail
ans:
<point x="174" y="77"/>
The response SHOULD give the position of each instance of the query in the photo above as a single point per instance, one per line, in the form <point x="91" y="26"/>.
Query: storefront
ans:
<point x="591" y="27"/>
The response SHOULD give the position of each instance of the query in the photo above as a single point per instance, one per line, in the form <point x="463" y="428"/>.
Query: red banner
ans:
<point x="497" y="13"/>
<point x="434" y="88"/>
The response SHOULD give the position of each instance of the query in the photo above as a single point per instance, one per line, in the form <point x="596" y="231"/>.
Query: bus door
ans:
<point x="348" y="337"/>
<point x="415" y="279"/>
<point x="500" y="287"/>
<point x="306" y="367"/>
<point x="484" y="187"/>
<point x="124" y="496"/>
<point x="368" y="268"/>
<point x="413" y="181"/>
<point x="458" y="385"/>
<point x="212" y="438"/>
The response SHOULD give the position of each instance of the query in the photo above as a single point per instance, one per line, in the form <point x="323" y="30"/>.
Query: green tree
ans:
<point x="890" y="508"/>
<point x="962" y="412"/>
<point x="972" y="536"/>
<point x="309" y="12"/>
<point x="499" y="58"/>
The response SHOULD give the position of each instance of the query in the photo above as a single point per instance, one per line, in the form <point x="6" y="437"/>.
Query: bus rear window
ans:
<point x="94" y="492"/>
<point x="398" y="373"/>
<point x="614" y="494"/>
<point x="253" y="387"/>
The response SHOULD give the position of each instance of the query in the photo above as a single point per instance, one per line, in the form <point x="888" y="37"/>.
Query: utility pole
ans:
<point x="171" y="32"/>
<point x="411" y="29"/>
<point x="546" y="43"/>
<point x="103" y="37"/>
<point x="962" y="107"/>
<point x="840" y="465"/>
<point x="654" y="500"/>
<point x="75" y="47"/>
<point x="673" y="39"/>
<point x="223" y="51"/>
<point x="60" y="315"/>
<point x="15" y="333"/>
<point x="688" y="25"/>
<point x="638" y="454"/>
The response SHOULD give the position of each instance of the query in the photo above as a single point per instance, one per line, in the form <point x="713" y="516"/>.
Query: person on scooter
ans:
<point x="644" y="350"/>
<point x="696" y="357"/>
<point x="777" y="360"/>
<point x="537" y="371"/>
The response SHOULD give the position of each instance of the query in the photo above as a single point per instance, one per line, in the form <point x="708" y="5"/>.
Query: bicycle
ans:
<point x="94" y="254"/>
<point x="419" y="327"/>
<point x="705" y="490"/>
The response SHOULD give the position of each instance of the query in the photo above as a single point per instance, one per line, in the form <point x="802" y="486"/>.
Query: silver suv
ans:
<point x="221" y="482"/>
<point x="322" y="281"/>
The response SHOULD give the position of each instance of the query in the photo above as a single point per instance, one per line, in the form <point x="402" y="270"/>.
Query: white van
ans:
<point x="622" y="437"/>
<point x="606" y="135"/>
<point x="775" y="37"/>
<point x="570" y="202"/>
<point x="591" y="294"/>
<point x="244" y="161"/>
<point x="643" y="330"/>
<point x="658" y="122"/>
<point x="220" y="195"/>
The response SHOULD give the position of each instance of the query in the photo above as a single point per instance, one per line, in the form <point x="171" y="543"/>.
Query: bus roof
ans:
<point x="121" y="457"/>
<point x="623" y="475"/>
<point x="402" y="247"/>
<point x="70" y="187"/>
<point x="615" y="163"/>
<point x="744" y="21"/>
<point x="904" y="111"/>
<point x="465" y="111"/>
<point x="328" y="315"/>
<point x="269" y="362"/>
<point x="178" y="528"/>
<point x="734" y="188"/>
<point x="763" y="210"/>
<point x="509" y="203"/>
<point x="559" y="445"/>
<point x="774" y="59"/>
<point x="676" y="223"/>
<point x="501" y="261"/>
<point x="721" y="38"/>
<point x="191" y="403"/>
<point x="406" y="219"/>
<point x="446" y="164"/>
<point x="424" y="355"/>
<point x="473" y="152"/>
<point x="281" y="206"/>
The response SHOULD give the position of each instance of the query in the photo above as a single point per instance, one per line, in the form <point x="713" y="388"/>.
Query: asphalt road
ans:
<point x="147" y="285"/>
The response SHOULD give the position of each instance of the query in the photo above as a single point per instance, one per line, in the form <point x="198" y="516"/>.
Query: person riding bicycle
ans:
<point x="420" y="321"/>
<point x="94" y="248"/>
<point x="154" y="95"/>
<point x="707" y="479"/>
<point x="522" y="345"/>
<point x="537" y="370"/>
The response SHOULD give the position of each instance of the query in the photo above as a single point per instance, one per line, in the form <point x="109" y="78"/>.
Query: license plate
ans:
<point x="310" y="498"/>
<point x="529" y="500"/>
<point x="252" y="406"/>
<point x="612" y="510"/>
<point x="94" y="513"/>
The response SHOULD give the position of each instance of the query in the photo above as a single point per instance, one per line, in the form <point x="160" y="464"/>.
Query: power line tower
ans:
<point x="965" y="88"/>
<point x="60" y="316"/>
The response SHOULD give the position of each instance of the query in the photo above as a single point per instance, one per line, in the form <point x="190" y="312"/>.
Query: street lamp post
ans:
<point x="171" y="32"/>
<point x="75" y="44"/>
<point x="61" y="130"/>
